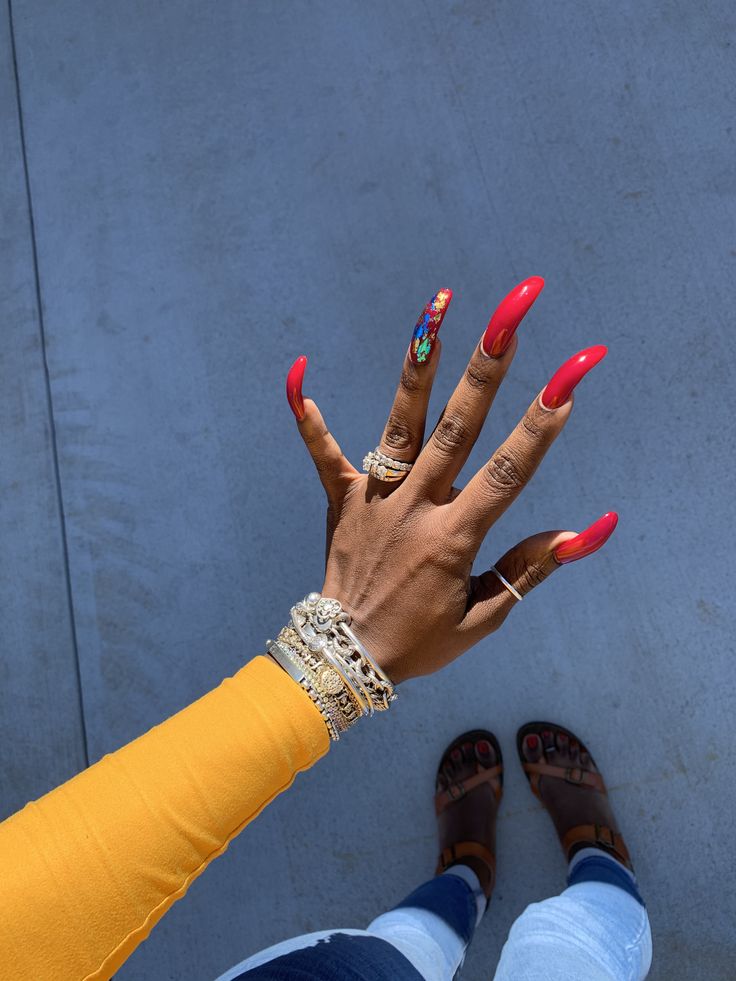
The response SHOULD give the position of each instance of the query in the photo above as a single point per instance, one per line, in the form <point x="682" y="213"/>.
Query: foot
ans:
<point x="473" y="816"/>
<point x="568" y="804"/>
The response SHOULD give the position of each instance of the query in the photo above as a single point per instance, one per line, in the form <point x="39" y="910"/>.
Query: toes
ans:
<point x="485" y="754"/>
<point x="457" y="763"/>
<point x="574" y="750"/>
<point x="563" y="744"/>
<point x="586" y="760"/>
<point x="532" y="747"/>
<point x="467" y="767"/>
<point x="462" y="761"/>
<point x="548" y="743"/>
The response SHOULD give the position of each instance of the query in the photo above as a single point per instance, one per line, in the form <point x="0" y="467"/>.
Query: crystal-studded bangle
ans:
<point x="325" y="628"/>
<point x="321" y="653"/>
<point x="292" y="637"/>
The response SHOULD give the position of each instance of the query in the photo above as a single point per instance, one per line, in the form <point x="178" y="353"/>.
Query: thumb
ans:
<point x="525" y="566"/>
<point x="334" y="469"/>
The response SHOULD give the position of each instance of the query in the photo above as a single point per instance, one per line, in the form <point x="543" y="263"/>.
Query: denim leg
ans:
<point x="280" y="950"/>
<point x="593" y="865"/>
<point x="433" y="926"/>
<point x="593" y="931"/>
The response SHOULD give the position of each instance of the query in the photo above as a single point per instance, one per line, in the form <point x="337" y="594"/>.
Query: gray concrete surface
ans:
<point x="216" y="188"/>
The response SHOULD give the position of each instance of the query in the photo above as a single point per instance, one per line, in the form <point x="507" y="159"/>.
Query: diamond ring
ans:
<point x="382" y="467"/>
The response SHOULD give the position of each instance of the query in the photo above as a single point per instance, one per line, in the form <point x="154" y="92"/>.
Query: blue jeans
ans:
<point x="596" y="930"/>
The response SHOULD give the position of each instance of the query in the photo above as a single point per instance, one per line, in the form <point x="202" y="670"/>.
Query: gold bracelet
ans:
<point x="323" y="655"/>
<point x="293" y="665"/>
<point x="325" y="628"/>
<point x="330" y="683"/>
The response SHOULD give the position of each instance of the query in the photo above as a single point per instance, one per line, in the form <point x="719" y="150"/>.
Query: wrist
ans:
<point x="322" y="653"/>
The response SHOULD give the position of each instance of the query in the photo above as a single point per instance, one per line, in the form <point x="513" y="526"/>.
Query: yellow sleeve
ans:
<point x="88" y="870"/>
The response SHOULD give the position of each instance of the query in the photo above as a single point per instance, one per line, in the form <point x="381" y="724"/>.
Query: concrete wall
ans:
<point x="213" y="189"/>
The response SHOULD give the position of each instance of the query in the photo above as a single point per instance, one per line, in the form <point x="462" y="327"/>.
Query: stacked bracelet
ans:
<point x="321" y="652"/>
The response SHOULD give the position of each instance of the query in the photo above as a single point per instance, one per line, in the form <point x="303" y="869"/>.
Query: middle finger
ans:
<point x="460" y="424"/>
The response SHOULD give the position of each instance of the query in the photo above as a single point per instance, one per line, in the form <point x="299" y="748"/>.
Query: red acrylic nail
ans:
<point x="427" y="327"/>
<point x="294" y="387"/>
<point x="587" y="541"/>
<point x="559" y="387"/>
<point x="509" y="314"/>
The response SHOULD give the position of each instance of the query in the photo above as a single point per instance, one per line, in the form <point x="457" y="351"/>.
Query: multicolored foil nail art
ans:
<point x="428" y="325"/>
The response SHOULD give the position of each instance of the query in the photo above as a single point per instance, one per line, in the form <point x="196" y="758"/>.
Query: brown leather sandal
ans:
<point x="593" y="835"/>
<point x="457" y="790"/>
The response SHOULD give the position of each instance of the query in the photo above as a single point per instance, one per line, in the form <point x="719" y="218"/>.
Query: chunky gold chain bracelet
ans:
<point x="319" y="649"/>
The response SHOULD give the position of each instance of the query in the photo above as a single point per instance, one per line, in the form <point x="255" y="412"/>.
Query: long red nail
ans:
<point x="558" y="388"/>
<point x="428" y="325"/>
<point x="294" y="387"/>
<point x="509" y="314"/>
<point x="587" y="541"/>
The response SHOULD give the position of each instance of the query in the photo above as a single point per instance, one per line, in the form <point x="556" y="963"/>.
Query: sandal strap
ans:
<point x="458" y="790"/>
<point x="462" y="849"/>
<point x="571" y="774"/>
<point x="597" y="834"/>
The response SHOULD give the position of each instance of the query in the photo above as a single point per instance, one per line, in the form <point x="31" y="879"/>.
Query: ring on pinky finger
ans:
<point x="512" y="589"/>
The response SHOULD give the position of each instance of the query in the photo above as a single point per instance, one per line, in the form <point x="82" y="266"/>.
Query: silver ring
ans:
<point x="382" y="467"/>
<point x="507" y="584"/>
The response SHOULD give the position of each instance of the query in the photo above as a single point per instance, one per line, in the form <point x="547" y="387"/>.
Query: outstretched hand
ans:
<point x="400" y="554"/>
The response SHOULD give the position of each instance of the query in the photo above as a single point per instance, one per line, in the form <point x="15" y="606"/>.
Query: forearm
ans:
<point x="87" y="870"/>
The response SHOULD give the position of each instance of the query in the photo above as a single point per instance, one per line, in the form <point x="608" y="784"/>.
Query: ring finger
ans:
<point x="403" y="434"/>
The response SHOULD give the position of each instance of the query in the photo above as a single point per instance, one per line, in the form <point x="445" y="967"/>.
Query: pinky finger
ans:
<point x="525" y="566"/>
<point x="334" y="469"/>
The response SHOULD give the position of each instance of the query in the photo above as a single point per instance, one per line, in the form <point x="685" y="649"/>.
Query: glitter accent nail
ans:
<point x="428" y="325"/>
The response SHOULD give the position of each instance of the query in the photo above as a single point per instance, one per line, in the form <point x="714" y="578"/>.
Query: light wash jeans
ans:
<point x="596" y="930"/>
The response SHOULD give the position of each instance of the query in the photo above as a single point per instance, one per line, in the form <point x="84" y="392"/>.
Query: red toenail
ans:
<point x="546" y="734"/>
<point x="483" y="747"/>
<point x="468" y="747"/>
<point x="531" y="742"/>
<point x="456" y="755"/>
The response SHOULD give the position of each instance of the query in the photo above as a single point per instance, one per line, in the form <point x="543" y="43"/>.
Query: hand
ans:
<point x="400" y="555"/>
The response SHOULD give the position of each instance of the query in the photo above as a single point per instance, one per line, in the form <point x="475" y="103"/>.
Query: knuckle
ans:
<point x="451" y="432"/>
<point x="478" y="377"/>
<point x="503" y="472"/>
<point x="525" y="573"/>
<point x="397" y="436"/>
<point x="532" y="574"/>
<point x="409" y="381"/>
<point x="534" y="426"/>
<point x="314" y="438"/>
